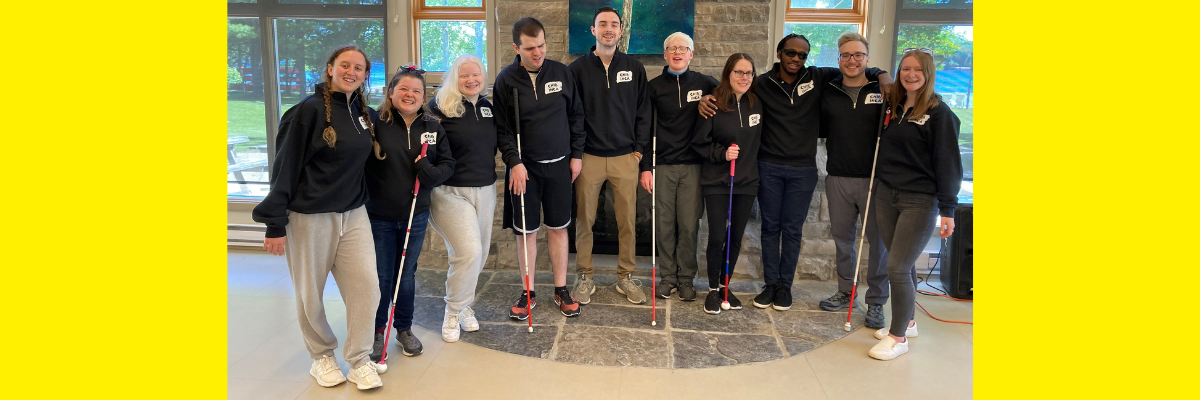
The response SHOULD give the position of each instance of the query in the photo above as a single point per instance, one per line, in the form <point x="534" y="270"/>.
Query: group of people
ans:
<point x="353" y="189"/>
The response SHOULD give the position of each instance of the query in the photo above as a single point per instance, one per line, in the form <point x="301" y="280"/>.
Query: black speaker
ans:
<point x="956" y="272"/>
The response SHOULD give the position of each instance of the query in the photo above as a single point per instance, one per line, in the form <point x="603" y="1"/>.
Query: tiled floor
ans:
<point x="267" y="360"/>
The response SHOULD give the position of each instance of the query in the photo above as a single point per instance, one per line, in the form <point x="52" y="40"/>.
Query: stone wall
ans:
<point x="722" y="28"/>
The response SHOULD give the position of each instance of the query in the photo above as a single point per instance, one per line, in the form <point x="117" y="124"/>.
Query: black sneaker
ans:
<point x="875" y="316"/>
<point x="783" y="298"/>
<point x="836" y="302"/>
<point x="664" y="289"/>
<point x="377" y="347"/>
<point x="409" y="344"/>
<point x="686" y="291"/>
<point x="712" y="303"/>
<point x="518" y="311"/>
<point x="764" y="299"/>
<point x="734" y="303"/>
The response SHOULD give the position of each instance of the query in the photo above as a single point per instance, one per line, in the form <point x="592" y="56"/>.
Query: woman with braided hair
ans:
<point x="315" y="214"/>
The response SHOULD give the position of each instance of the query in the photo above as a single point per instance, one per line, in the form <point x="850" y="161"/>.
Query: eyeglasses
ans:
<point x="794" y="53"/>
<point x="921" y="49"/>
<point x="855" y="56"/>
<point x="678" y="49"/>
<point x="741" y="74"/>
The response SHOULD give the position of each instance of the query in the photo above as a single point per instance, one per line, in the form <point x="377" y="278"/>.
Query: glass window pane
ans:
<point x="357" y="2"/>
<point x="942" y="4"/>
<point x="246" y="125"/>
<point x="953" y="57"/>
<point x="823" y="4"/>
<point x="243" y="1"/>
<point x="304" y="46"/>
<point x="823" y="40"/>
<point x="454" y="3"/>
<point x="443" y="41"/>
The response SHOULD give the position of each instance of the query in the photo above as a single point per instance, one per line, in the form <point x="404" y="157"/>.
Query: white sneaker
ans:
<point x="467" y="318"/>
<point x="450" y="330"/>
<point x="910" y="332"/>
<point x="886" y="349"/>
<point x="380" y="368"/>
<point x="327" y="372"/>
<point x="366" y="376"/>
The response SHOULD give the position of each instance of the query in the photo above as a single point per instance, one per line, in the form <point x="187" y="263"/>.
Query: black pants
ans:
<point x="717" y="206"/>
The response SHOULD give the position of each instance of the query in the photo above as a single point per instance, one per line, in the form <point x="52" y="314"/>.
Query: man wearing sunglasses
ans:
<point x="787" y="165"/>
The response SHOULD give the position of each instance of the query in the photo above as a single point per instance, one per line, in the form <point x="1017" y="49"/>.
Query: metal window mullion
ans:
<point x="270" y="83"/>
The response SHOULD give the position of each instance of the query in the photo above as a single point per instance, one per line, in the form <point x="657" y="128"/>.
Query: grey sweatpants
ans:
<point x="680" y="205"/>
<point x="464" y="217"/>
<point x="338" y="243"/>
<point x="906" y="222"/>
<point x="847" y="201"/>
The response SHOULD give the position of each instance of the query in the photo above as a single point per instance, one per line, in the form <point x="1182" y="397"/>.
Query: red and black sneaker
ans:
<point x="566" y="303"/>
<point x="519" y="311"/>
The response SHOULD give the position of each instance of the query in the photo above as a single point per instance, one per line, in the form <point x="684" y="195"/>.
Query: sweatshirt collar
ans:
<point x="341" y="98"/>
<point x="591" y="55"/>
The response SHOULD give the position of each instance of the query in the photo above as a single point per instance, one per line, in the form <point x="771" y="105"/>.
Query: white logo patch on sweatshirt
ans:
<point x="695" y="95"/>
<point x="803" y="88"/>
<point x="429" y="137"/>
<point x="754" y="119"/>
<point x="624" y="76"/>
<point x="362" y="122"/>
<point x="874" y="98"/>
<point x="552" y="87"/>
<point x="922" y="120"/>
<point x="486" y="111"/>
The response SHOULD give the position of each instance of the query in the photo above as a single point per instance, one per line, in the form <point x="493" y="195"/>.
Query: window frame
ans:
<point x="855" y="15"/>
<point x="422" y="12"/>
<point x="267" y="12"/>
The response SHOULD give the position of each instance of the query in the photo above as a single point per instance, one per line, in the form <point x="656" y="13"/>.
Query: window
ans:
<point x="946" y="27"/>
<point x="821" y="22"/>
<point x="447" y="29"/>
<point x="276" y="54"/>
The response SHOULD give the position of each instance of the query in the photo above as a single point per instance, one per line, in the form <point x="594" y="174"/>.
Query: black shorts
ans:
<point x="548" y="190"/>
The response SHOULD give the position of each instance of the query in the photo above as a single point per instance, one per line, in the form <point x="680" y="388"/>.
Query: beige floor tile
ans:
<point x="253" y="320"/>
<point x="256" y="389"/>
<point x="768" y="379"/>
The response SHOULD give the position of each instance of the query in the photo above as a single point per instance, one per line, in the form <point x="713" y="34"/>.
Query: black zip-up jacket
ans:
<point x="743" y="125"/>
<point x="676" y="99"/>
<point x="850" y="126"/>
<point x="617" y="113"/>
<point x="793" y="119"/>
<point x="308" y="176"/>
<point x="551" y="114"/>
<point x="391" y="179"/>
<point x="472" y="139"/>
<point x="922" y="156"/>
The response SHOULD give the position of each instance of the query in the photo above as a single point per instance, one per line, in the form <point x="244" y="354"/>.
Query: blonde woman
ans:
<point x="464" y="206"/>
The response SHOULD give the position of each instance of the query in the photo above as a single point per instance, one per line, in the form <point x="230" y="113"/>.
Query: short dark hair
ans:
<point x="789" y="36"/>
<point x="527" y="26"/>
<point x="604" y="10"/>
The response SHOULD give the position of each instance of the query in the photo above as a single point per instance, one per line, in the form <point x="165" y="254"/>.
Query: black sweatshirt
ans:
<point x="551" y="115"/>
<point x="308" y="176"/>
<point x="793" y="119"/>
<point x="922" y="156"/>
<point x="390" y="180"/>
<point x="616" y="112"/>
<point x="676" y="98"/>
<point x="472" y="140"/>
<point x="850" y="126"/>
<point x="742" y="125"/>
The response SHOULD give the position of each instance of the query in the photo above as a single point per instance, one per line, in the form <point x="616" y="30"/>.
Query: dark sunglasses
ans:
<point x="921" y="49"/>
<point x="794" y="53"/>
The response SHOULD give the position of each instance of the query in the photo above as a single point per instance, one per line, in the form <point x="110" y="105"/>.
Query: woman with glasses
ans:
<point x="731" y="136"/>
<point x="918" y="177"/>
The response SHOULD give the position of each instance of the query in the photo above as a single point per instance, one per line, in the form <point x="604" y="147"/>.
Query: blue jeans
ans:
<point x="389" y="244"/>
<point x="784" y="195"/>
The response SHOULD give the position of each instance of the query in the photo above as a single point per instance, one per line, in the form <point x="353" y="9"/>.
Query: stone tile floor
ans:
<point x="613" y="332"/>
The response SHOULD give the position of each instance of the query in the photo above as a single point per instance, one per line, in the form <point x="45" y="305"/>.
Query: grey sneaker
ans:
<point x="584" y="287"/>
<point x="409" y="344"/>
<point x="875" y="316"/>
<point x="632" y="289"/>
<point x="836" y="302"/>
<point x="377" y="347"/>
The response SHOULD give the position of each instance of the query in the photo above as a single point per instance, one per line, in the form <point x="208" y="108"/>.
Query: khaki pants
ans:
<point x="621" y="172"/>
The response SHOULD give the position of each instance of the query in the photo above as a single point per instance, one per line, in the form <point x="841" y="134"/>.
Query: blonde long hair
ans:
<point x="449" y="99"/>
